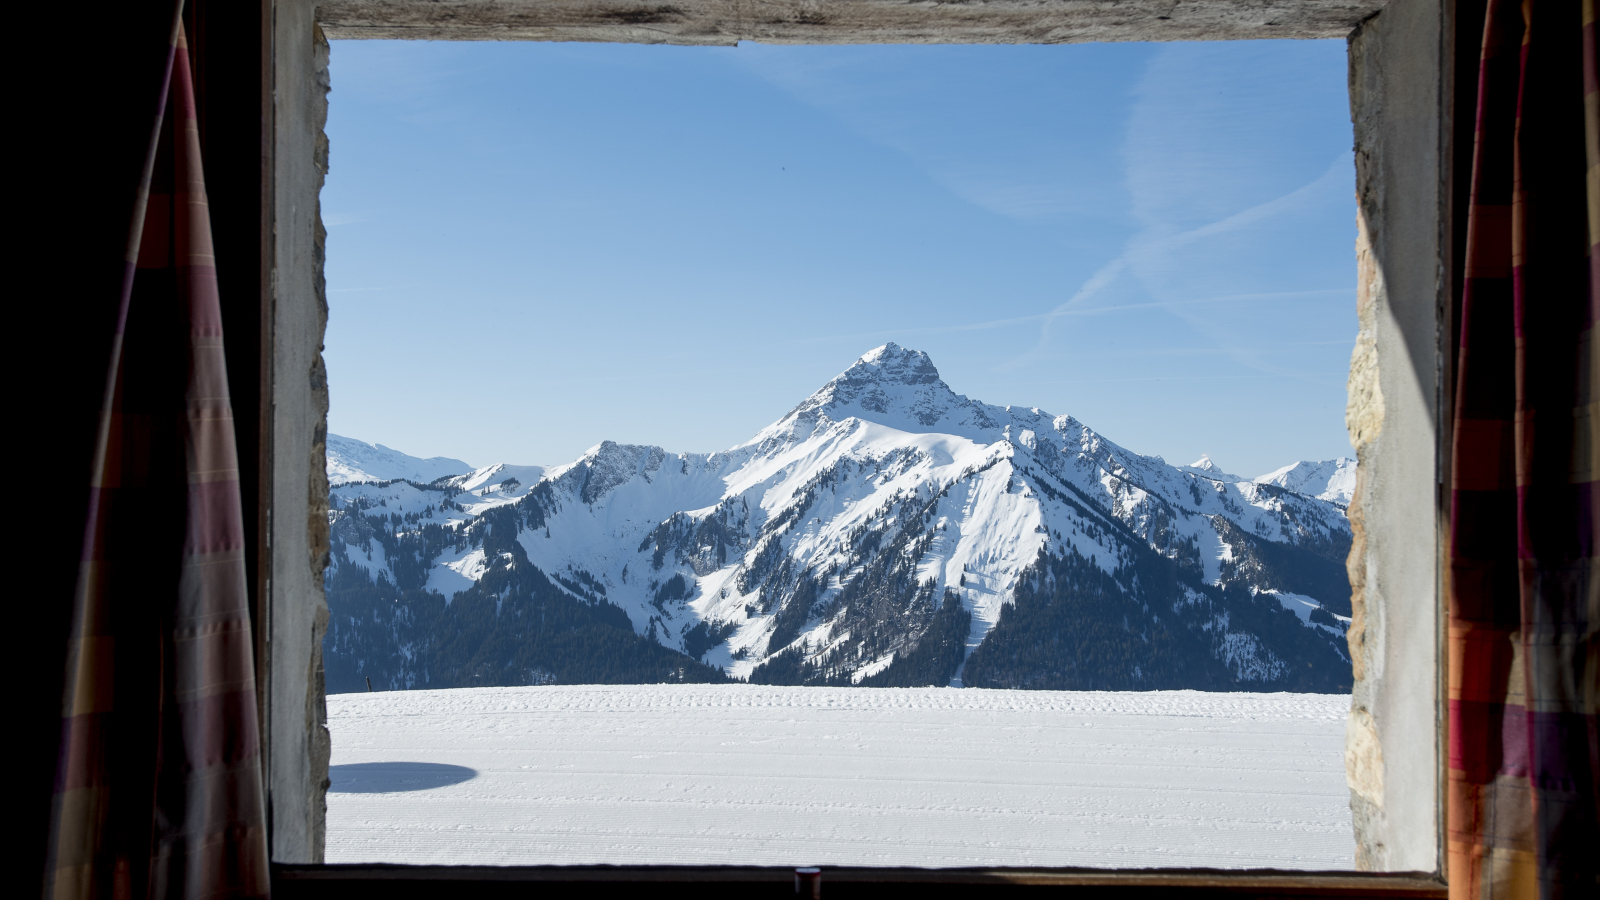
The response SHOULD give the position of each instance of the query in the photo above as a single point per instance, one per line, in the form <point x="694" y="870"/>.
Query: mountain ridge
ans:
<point x="886" y="508"/>
<point x="349" y="459"/>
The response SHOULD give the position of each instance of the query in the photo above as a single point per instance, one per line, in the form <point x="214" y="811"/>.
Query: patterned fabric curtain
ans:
<point x="1523" y="593"/>
<point x="159" y="787"/>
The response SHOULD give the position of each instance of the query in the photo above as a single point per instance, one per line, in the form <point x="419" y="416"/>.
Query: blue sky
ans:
<point x="534" y="247"/>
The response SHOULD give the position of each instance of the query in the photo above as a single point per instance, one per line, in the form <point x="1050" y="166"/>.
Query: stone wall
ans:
<point x="1393" y="736"/>
<point x="298" y="744"/>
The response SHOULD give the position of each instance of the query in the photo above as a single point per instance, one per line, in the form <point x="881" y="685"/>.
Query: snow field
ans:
<point x="742" y="774"/>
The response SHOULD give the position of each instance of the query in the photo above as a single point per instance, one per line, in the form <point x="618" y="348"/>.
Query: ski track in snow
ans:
<point x="754" y="775"/>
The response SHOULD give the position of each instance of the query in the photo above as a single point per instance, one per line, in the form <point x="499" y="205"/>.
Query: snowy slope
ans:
<point x="1333" y="479"/>
<point x="352" y="460"/>
<point x="499" y="482"/>
<point x="887" y="517"/>
<point x="784" y="776"/>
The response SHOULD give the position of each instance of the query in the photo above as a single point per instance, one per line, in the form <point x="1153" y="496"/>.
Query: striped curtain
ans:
<point x="1524" y="599"/>
<point x="158" y="789"/>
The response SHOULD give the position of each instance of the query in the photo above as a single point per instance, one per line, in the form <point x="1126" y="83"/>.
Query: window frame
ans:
<point x="1407" y="93"/>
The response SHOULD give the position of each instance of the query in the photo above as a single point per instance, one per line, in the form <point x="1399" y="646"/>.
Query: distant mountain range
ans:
<point x="1333" y="480"/>
<point x="886" y="531"/>
<point x="352" y="460"/>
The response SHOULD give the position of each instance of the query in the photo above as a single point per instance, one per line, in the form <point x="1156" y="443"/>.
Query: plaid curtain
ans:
<point x="1524" y="600"/>
<point x="158" y="788"/>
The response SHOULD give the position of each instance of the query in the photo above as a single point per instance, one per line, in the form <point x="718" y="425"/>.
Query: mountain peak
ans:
<point x="888" y="385"/>
<point x="1330" y="479"/>
<point x="893" y="364"/>
<point x="1206" y="468"/>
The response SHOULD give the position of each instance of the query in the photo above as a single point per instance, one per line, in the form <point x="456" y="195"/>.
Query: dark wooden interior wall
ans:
<point x="88" y="89"/>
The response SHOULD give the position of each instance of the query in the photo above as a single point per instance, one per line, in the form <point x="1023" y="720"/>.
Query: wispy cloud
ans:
<point x="1337" y="378"/>
<point x="1153" y="246"/>
<point x="1081" y="311"/>
<point x="1217" y="179"/>
<point x="986" y="139"/>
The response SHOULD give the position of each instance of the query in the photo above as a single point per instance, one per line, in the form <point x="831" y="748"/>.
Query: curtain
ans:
<point x="1524" y="600"/>
<point x="158" y="790"/>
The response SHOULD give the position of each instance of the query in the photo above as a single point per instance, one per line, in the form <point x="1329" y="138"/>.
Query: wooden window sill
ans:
<point x="395" y="882"/>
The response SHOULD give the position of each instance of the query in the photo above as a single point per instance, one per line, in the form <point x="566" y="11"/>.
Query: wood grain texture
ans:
<point x="400" y="882"/>
<point x="726" y="22"/>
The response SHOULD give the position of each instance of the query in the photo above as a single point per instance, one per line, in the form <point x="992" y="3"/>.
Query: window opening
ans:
<point x="901" y="622"/>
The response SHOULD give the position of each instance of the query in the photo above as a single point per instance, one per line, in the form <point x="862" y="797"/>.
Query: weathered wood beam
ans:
<point x="726" y="22"/>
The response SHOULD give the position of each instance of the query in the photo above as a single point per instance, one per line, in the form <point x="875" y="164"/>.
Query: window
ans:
<point x="536" y="247"/>
<point x="1409" y="429"/>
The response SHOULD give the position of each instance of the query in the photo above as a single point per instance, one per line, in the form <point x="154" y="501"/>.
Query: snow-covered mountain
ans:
<point x="352" y="460"/>
<point x="1205" y="468"/>
<point x="1332" y="479"/>
<point x="885" y="531"/>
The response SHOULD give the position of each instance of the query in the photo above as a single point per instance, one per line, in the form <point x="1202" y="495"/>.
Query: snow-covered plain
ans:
<point x="744" y="774"/>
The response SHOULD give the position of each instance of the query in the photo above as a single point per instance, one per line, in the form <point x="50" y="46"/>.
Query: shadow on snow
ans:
<point x="395" y="777"/>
